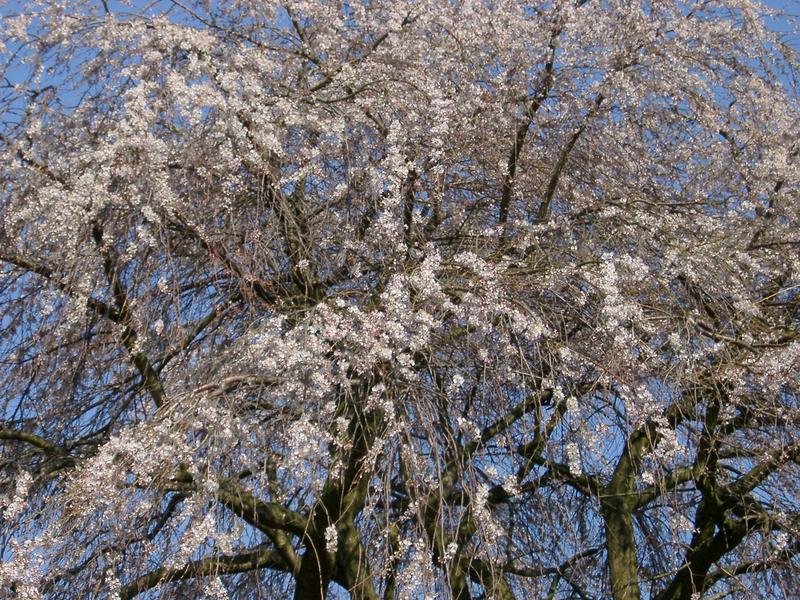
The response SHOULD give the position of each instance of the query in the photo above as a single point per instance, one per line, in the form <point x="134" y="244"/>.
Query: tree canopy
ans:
<point x="399" y="299"/>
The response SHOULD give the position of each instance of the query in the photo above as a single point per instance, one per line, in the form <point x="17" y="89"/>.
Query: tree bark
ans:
<point x="621" y="547"/>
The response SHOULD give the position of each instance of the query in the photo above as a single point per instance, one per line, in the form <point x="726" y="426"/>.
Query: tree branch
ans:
<point x="258" y="558"/>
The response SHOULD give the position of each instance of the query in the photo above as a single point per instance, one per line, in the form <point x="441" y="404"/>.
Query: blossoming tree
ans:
<point x="399" y="299"/>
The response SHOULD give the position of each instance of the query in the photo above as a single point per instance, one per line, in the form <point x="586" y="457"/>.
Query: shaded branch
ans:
<point x="33" y="440"/>
<point x="259" y="558"/>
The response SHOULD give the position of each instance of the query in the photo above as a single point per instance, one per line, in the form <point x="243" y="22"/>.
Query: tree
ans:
<point x="398" y="299"/>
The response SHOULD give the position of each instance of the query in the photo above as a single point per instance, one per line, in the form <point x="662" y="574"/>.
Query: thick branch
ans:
<point x="99" y="307"/>
<point x="542" y="91"/>
<point x="552" y="184"/>
<point x="260" y="558"/>
<point x="32" y="439"/>
<point x="150" y="378"/>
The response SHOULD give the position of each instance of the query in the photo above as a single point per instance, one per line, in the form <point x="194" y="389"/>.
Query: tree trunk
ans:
<point x="621" y="547"/>
<point x="316" y="572"/>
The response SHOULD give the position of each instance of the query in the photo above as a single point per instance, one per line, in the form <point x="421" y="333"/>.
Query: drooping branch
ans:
<point x="197" y="329"/>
